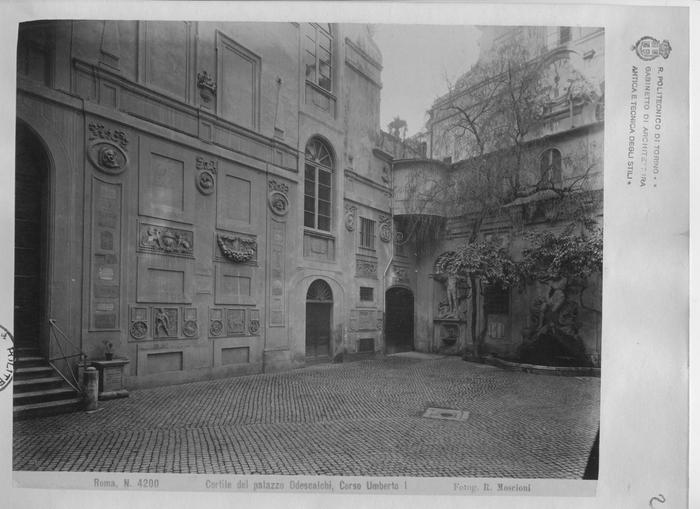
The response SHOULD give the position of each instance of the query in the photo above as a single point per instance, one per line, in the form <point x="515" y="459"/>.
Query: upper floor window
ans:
<point x="318" y="43"/>
<point x="564" y="35"/>
<point x="366" y="233"/>
<point x="318" y="170"/>
<point x="550" y="165"/>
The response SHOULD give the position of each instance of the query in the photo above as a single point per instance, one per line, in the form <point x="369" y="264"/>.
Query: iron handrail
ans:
<point x="77" y="387"/>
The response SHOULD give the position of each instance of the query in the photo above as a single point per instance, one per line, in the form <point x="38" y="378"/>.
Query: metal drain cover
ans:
<point x="446" y="414"/>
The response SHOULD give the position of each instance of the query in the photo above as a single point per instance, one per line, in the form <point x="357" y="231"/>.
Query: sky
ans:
<point x="416" y="60"/>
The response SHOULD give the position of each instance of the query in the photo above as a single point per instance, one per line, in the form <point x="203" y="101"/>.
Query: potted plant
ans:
<point x="109" y="354"/>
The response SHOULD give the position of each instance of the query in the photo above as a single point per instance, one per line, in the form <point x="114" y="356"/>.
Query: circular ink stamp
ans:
<point x="7" y="357"/>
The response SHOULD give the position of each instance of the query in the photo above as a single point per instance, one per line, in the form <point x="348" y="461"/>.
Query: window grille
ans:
<point x="496" y="300"/>
<point x="366" y="294"/>
<point x="366" y="233"/>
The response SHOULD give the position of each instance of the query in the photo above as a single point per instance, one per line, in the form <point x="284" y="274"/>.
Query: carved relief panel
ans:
<point x="108" y="149"/>
<point x="165" y="240"/>
<point x="204" y="179"/>
<point x="105" y="267"/>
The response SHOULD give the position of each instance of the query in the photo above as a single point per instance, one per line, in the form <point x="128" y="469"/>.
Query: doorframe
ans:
<point x="329" y="306"/>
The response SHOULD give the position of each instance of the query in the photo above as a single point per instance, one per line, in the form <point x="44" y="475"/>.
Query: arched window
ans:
<point x="318" y="171"/>
<point x="319" y="291"/>
<point x="318" y="44"/>
<point x="550" y="165"/>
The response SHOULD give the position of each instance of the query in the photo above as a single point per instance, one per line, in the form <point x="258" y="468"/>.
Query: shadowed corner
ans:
<point x="591" y="471"/>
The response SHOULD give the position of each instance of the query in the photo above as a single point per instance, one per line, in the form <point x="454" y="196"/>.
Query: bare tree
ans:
<point x="494" y="118"/>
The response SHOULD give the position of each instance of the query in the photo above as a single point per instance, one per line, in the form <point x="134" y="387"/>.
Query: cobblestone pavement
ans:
<point x="362" y="418"/>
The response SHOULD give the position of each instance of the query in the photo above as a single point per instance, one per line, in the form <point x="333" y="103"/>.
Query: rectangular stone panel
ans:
<point x="165" y="322"/>
<point x="278" y="250"/>
<point x="105" y="293"/>
<point x="235" y="321"/>
<point x="164" y="279"/>
<point x="238" y="355"/>
<point x="105" y="321"/>
<point x="234" y="284"/>
<point x="167" y="56"/>
<point x="166" y="181"/>
<point x="163" y="362"/>
<point x="367" y="319"/>
<point x="234" y="203"/>
<point x="319" y="246"/>
<point x="238" y="83"/>
<point x="203" y="282"/>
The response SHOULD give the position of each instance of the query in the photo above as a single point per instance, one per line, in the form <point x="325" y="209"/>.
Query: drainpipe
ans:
<point x="391" y="259"/>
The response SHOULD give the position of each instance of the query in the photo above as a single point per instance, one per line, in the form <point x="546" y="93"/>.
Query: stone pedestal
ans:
<point x="111" y="378"/>
<point x="449" y="335"/>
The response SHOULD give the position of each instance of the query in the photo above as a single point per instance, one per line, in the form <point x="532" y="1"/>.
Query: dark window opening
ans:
<point x="366" y="233"/>
<point x="366" y="294"/>
<point x="496" y="300"/>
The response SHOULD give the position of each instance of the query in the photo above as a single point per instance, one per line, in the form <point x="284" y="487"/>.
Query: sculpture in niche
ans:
<point x="237" y="249"/>
<point x="216" y="328"/>
<point x="449" y="306"/>
<point x="170" y="241"/>
<point x="139" y="329"/>
<point x="385" y="175"/>
<point x="189" y="329"/>
<point x="206" y="85"/>
<point x="99" y="131"/>
<point x="166" y="323"/>
<point x="350" y="211"/>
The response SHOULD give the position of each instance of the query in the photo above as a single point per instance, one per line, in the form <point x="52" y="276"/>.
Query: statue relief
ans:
<point x="449" y="306"/>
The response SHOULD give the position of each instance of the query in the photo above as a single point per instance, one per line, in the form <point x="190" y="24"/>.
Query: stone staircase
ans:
<point x="39" y="391"/>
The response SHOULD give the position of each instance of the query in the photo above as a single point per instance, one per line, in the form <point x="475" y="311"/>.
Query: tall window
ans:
<point x="318" y="54"/>
<point x="550" y="165"/>
<point x="317" y="186"/>
<point x="564" y="35"/>
<point x="366" y="233"/>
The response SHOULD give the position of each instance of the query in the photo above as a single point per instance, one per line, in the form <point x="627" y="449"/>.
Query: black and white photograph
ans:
<point x="327" y="257"/>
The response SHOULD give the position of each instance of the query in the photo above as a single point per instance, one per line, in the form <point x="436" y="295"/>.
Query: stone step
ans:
<point x="47" y="409"/>
<point x="37" y="384"/>
<point x="30" y="361"/>
<point x="44" y="395"/>
<point x="33" y="372"/>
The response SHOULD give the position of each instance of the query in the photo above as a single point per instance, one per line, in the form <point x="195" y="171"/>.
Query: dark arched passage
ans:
<point x="31" y="237"/>
<point x="398" y="330"/>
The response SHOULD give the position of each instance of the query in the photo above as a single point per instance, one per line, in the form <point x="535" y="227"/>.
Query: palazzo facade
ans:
<point x="214" y="199"/>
